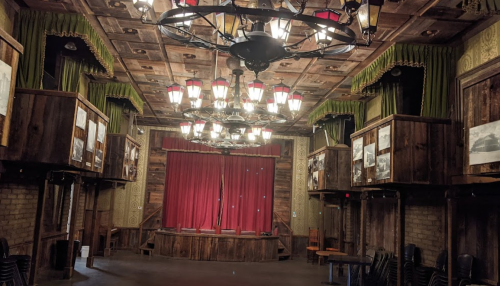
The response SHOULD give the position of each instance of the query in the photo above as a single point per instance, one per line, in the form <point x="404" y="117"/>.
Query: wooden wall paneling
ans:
<point x="282" y="200"/>
<point x="9" y="54"/>
<point x="336" y="174"/>
<point x="37" y="233"/>
<point x="402" y="152"/>
<point x="119" y="164"/>
<point x="420" y="152"/>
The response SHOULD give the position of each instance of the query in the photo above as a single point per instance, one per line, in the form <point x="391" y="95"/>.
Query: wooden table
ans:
<point x="349" y="260"/>
<point x="323" y="253"/>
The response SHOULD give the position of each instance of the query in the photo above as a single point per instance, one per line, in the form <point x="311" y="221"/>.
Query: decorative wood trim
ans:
<point x="11" y="41"/>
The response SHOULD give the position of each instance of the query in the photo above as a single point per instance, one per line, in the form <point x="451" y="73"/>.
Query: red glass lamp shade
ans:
<point x="256" y="90"/>
<point x="219" y="87"/>
<point x="321" y="37"/>
<point x="280" y="92"/>
<point x="294" y="102"/>
<point x="199" y="125"/>
<point x="193" y="86"/>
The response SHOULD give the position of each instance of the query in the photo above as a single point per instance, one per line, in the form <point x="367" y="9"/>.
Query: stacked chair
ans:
<point x="423" y="274"/>
<point x="379" y="270"/>
<point x="464" y="269"/>
<point x="409" y="264"/>
<point x="13" y="268"/>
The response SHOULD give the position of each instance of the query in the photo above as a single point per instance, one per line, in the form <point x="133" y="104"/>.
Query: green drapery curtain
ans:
<point x="126" y="92"/>
<point x="436" y="62"/>
<point x="332" y="128"/>
<point x="339" y="107"/>
<point x="33" y="28"/>
<point x="389" y="93"/>
<point x="114" y="111"/>
<point x="97" y="96"/>
<point x="71" y="71"/>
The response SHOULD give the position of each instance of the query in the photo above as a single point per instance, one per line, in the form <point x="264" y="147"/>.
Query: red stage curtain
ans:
<point x="179" y="144"/>
<point x="192" y="190"/>
<point x="248" y="193"/>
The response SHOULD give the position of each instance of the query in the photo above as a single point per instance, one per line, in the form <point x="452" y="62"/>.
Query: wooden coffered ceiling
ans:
<point x="151" y="61"/>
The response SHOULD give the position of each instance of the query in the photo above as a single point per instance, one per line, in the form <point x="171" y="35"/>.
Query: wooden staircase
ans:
<point x="285" y="235"/>
<point x="149" y="245"/>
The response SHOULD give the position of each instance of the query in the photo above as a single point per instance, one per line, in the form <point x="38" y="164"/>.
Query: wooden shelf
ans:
<point x="328" y="169"/>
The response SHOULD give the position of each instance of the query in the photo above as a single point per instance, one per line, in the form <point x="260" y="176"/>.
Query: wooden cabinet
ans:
<point x="121" y="158"/>
<point x="61" y="129"/>
<point x="9" y="58"/>
<point x="401" y="149"/>
<point x="329" y="169"/>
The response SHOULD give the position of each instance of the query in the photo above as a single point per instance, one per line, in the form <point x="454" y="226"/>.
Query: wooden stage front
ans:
<point x="216" y="247"/>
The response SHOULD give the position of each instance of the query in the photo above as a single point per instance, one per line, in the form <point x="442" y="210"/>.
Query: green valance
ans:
<point x="389" y="93"/>
<point x="125" y="92"/>
<point x="34" y="26"/>
<point x="339" y="107"/>
<point x="332" y="128"/>
<point x="71" y="73"/>
<point x="436" y="62"/>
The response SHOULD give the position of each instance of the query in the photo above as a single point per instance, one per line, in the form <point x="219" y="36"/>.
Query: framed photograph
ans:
<point x="132" y="153"/>
<point x="101" y="132"/>
<point x="369" y="155"/>
<point x="357" y="149"/>
<point x="484" y="143"/>
<point x="315" y="180"/>
<point x="310" y="181"/>
<point x="321" y="162"/>
<point x="91" y="136"/>
<point x="81" y="118"/>
<point x="98" y="158"/>
<point x="77" y="149"/>
<point x="356" y="172"/>
<point x="384" y="138"/>
<point x="5" y="78"/>
<point x="384" y="166"/>
<point x="127" y="151"/>
<point x="310" y="166"/>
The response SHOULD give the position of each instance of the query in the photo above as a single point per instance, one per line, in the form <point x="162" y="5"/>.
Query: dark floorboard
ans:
<point x="125" y="268"/>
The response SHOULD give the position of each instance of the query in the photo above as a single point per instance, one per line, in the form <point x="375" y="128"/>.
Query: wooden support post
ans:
<point x="362" y="240"/>
<point x="341" y="225"/>
<point x="37" y="234"/>
<point x="107" y="250"/>
<point x="94" y="229"/>
<point x="401" y="237"/>
<point x="322" y="221"/>
<point x="68" y="270"/>
<point x="452" y="236"/>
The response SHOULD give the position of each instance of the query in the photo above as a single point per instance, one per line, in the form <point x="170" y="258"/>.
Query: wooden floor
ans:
<point x="126" y="268"/>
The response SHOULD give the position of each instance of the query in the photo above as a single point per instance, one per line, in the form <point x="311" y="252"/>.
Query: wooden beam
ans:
<point x="341" y="225"/>
<point x="107" y="250"/>
<point x="322" y="221"/>
<point x="37" y="234"/>
<point x="452" y="236"/>
<point x="362" y="240"/>
<point x="401" y="238"/>
<point x="94" y="229"/>
<point x="68" y="270"/>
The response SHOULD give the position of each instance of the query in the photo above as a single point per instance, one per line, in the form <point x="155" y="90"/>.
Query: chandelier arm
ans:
<point x="301" y="41"/>
<point x="202" y="43"/>
<point x="317" y="52"/>
<point x="290" y="7"/>
<point x="213" y="26"/>
<point x="243" y="30"/>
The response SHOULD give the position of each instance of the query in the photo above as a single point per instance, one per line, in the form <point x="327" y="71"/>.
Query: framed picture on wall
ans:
<point x="384" y="138"/>
<point x="356" y="172"/>
<point x="357" y="149"/>
<point x="484" y="143"/>
<point x="91" y="136"/>
<point x="81" y="118"/>
<point x="369" y="155"/>
<point x="98" y="158"/>
<point x="5" y="78"/>
<point x="384" y="166"/>
<point x="321" y="162"/>
<point x="77" y="149"/>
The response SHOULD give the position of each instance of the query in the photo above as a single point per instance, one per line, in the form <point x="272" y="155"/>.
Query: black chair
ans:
<point x="23" y="265"/>
<point x="7" y="271"/>
<point x="464" y="269"/>
<point x="4" y="248"/>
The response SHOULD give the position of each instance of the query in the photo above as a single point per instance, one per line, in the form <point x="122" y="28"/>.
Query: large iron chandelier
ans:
<point x="236" y="123"/>
<point x="242" y="30"/>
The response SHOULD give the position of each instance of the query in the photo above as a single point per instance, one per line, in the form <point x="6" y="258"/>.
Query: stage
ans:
<point x="216" y="247"/>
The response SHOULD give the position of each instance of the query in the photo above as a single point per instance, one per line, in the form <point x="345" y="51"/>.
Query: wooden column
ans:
<point x="401" y="237"/>
<point x="362" y="239"/>
<point x="94" y="229"/>
<point x="37" y="234"/>
<point x="452" y="236"/>
<point x="322" y="221"/>
<point x="107" y="250"/>
<point x="68" y="270"/>
<point x="341" y="225"/>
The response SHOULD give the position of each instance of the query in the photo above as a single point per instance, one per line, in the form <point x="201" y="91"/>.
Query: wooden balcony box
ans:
<point x="61" y="129"/>
<point x="329" y="169"/>
<point x="121" y="158"/>
<point x="401" y="149"/>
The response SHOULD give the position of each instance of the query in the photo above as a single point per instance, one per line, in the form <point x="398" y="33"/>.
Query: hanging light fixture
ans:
<point x="217" y="126"/>
<point x="368" y="14"/>
<point x="143" y="5"/>
<point x="266" y="134"/>
<point x="280" y="92"/>
<point x="255" y="90"/>
<point x="256" y="130"/>
<point x="183" y="26"/>
<point x="227" y="25"/>
<point x="248" y="105"/>
<point x="198" y="126"/>
<point x="281" y="27"/>
<point x="219" y="88"/>
<point x="272" y="107"/>
<point x="193" y="86"/>
<point x="197" y="103"/>
<point x="175" y="92"/>
<point x="213" y="134"/>
<point x="251" y="136"/>
<point x="350" y="6"/>
<point x="185" y="128"/>
<point x="294" y="102"/>
<point x="235" y="136"/>
<point x="221" y="103"/>
<point x="322" y="39"/>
